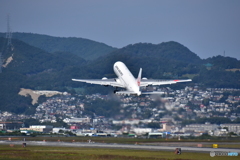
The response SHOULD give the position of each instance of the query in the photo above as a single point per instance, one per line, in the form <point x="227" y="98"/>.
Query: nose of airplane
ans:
<point x="117" y="63"/>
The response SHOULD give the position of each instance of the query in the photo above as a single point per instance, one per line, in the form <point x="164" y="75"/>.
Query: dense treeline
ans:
<point x="220" y="62"/>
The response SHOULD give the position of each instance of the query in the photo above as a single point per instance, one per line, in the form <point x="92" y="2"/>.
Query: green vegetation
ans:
<point x="107" y="108"/>
<point x="44" y="68"/>
<point x="223" y="62"/>
<point x="81" y="47"/>
<point x="51" y="153"/>
<point x="35" y="69"/>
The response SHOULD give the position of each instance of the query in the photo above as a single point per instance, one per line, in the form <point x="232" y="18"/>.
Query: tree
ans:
<point x="153" y="125"/>
<point x="31" y="121"/>
<point x="205" y="102"/>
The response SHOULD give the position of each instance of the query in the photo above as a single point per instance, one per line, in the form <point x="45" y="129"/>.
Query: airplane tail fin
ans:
<point x="139" y="77"/>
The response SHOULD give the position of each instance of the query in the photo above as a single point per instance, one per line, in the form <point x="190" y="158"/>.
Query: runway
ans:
<point x="120" y="146"/>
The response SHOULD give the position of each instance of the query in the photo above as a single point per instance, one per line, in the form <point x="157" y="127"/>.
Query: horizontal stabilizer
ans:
<point x="129" y="93"/>
<point x="125" y="92"/>
<point x="154" y="92"/>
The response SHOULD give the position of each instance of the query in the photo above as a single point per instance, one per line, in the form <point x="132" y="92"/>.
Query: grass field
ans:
<point x="63" y="153"/>
<point x="17" y="152"/>
<point x="139" y="141"/>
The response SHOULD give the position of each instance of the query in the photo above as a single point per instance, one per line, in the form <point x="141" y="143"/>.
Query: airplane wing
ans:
<point x="115" y="82"/>
<point x="149" y="82"/>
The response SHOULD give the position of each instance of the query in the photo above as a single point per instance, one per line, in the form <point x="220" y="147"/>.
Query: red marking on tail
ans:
<point x="138" y="82"/>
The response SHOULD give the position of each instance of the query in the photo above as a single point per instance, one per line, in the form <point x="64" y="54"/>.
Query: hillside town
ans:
<point x="154" y="115"/>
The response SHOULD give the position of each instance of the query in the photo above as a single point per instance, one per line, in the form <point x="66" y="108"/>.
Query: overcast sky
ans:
<point x="206" y="27"/>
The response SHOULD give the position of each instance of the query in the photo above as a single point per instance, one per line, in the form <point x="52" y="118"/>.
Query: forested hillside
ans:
<point x="84" y="48"/>
<point x="156" y="62"/>
<point x="32" y="68"/>
<point x="37" y="69"/>
<point x="164" y="61"/>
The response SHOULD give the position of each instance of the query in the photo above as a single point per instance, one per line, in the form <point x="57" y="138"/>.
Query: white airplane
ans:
<point x="126" y="80"/>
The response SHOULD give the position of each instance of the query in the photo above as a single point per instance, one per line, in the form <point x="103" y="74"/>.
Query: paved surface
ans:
<point x="119" y="146"/>
<point x="190" y="144"/>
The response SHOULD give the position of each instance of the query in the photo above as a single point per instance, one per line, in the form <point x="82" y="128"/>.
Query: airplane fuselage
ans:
<point x="126" y="80"/>
<point x="126" y="77"/>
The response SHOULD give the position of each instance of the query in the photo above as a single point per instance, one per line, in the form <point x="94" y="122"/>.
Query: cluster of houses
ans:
<point x="137" y="112"/>
<point x="63" y="106"/>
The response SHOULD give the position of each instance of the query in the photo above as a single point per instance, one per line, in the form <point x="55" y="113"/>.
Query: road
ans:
<point x="119" y="146"/>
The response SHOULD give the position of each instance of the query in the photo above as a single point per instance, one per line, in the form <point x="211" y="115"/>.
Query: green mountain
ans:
<point x="154" y="59"/>
<point x="32" y="68"/>
<point x="166" y="50"/>
<point x="37" y="69"/>
<point x="220" y="72"/>
<point x="170" y="60"/>
<point x="84" y="48"/>
<point x="221" y="62"/>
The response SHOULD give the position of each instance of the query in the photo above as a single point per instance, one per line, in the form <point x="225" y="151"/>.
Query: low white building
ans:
<point x="200" y="127"/>
<point x="38" y="128"/>
<point x="141" y="131"/>
<point x="77" y="120"/>
<point x="232" y="127"/>
<point x="129" y="122"/>
<point x="56" y="130"/>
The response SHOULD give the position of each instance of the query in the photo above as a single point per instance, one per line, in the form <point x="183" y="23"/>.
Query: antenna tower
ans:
<point x="9" y="32"/>
<point x="1" y="62"/>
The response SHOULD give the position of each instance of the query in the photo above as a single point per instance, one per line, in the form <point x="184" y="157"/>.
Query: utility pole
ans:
<point x="9" y="43"/>
<point x="9" y="32"/>
<point x="1" y="62"/>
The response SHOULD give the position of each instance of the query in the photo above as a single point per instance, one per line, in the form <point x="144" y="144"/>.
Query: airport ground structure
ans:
<point x="159" y="116"/>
